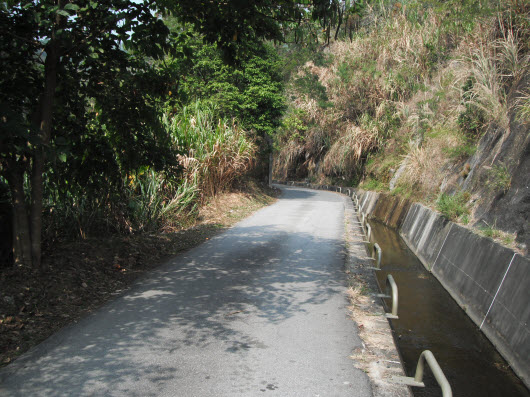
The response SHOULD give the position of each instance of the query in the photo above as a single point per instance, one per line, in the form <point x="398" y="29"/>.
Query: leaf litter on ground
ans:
<point x="80" y="276"/>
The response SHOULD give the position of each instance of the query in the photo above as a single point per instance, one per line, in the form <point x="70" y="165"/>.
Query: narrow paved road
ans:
<point x="258" y="310"/>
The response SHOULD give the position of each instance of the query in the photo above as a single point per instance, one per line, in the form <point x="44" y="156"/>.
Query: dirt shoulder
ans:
<point x="378" y="357"/>
<point x="80" y="276"/>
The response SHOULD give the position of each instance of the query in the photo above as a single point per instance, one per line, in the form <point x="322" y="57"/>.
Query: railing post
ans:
<point x="417" y="381"/>
<point x="368" y="232"/>
<point x="377" y="254"/>
<point x="391" y="284"/>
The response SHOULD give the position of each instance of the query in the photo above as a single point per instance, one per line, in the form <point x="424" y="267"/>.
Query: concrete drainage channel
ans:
<point x="429" y="319"/>
<point x="392" y="294"/>
<point x="429" y="326"/>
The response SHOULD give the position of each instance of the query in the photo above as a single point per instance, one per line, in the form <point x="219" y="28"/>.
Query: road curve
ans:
<point x="258" y="310"/>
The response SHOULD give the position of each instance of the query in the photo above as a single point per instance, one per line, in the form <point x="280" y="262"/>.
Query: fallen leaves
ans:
<point x="80" y="276"/>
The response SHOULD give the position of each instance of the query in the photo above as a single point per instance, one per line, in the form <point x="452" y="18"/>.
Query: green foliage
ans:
<point x="216" y="152"/>
<point x="402" y="190"/>
<point x="251" y="91"/>
<point x="454" y="206"/>
<point x="156" y="201"/>
<point x="345" y="72"/>
<point x="492" y="232"/>
<point x="235" y="26"/>
<point x="75" y="79"/>
<point x="473" y="119"/>
<point x="461" y="16"/>
<point x="82" y="87"/>
<point x="309" y="84"/>
<point x="404" y="82"/>
<point x="293" y="124"/>
<point x="499" y="178"/>
<point x="461" y="152"/>
<point x="322" y="59"/>
<point x="373" y="184"/>
<point x="101" y="197"/>
<point x="516" y="14"/>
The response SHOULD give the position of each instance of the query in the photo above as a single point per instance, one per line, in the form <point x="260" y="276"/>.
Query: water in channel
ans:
<point x="429" y="319"/>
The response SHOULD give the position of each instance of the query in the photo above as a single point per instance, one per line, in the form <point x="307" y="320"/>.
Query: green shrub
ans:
<point x="473" y="119"/>
<point x="293" y="124"/>
<point x="499" y="178"/>
<point x="402" y="190"/>
<point x="322" y="59"/>
<point x="155" y="201"/>
<point x="325" y="104"/>
<point x="344" y="72"/>
<point x="215" y="151"/>
<point x="461" y="152"/>
<point x="373" y="184"/>
<point x="453" y="207"/>
<point x="309" y="85"/>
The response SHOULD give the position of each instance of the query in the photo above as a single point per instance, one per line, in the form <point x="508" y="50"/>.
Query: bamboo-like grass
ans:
<point x="215" y="151"/>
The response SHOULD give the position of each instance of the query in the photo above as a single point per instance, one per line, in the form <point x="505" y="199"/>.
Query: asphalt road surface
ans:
<point x="259" y="310"/>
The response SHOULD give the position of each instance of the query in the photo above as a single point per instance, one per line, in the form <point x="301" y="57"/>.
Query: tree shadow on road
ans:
<point x="191" y="301"/>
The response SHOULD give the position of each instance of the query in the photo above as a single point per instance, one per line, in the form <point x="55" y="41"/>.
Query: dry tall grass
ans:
<point x="215" y="151"/>
<point x="399" y="90"/>
<point x="376" y="69"/>
<point x="346" y="152"/>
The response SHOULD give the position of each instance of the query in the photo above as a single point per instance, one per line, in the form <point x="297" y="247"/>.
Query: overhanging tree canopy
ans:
<point x="58" y="59"/>
<point x="66" y="63"/>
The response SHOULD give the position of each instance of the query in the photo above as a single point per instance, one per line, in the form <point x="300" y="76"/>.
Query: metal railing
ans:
<point x="368" y="232"/>
<point x="391" y="286"/>
<point x="377" y="254"/>
<point x="417" y="381"/>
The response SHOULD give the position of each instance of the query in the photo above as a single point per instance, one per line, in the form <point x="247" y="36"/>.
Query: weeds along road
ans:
<point x="258" y="310"/>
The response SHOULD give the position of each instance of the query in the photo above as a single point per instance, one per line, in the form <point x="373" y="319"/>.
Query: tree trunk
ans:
<point x="36" y="206"/>
<point x="46" y="115"/>
<point x="21" y="234"/>
<point x="338" y="25"/>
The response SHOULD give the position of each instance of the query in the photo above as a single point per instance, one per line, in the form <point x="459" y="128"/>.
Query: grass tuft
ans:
<point x="492" y="232"/>
<point x="499" y="178"/>
<point x="455" y="206"/>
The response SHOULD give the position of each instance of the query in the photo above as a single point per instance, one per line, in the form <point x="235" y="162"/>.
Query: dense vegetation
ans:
<point x="401" y="101"/>
<point x="120" y="117"/>
<point x="123" y="116"/>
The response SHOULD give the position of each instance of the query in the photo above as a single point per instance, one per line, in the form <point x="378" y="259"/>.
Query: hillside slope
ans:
<point x="429" y="102"/>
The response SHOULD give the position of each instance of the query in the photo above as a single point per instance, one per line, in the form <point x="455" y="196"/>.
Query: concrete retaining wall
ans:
<point x="492" y="283"/>
<point x="391" y="210"/>
<point x="489" y="281"/>
<point x="424" y="232"/>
